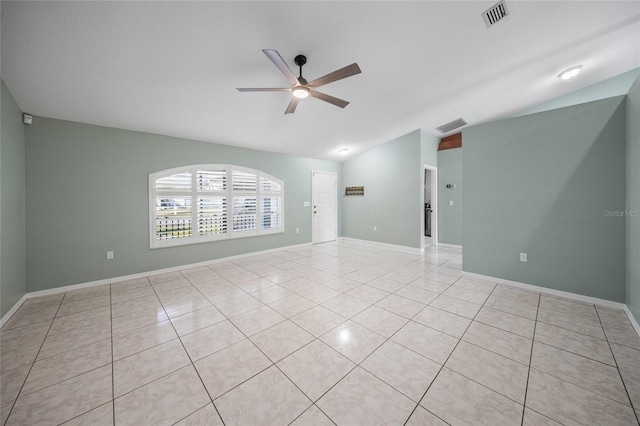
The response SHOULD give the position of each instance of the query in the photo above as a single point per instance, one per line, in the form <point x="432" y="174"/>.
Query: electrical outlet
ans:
<point x="375" y="228"/>
<point x="450" y="202"/>
<point x="110" y="255"/>
<point x="523" y="257"/>
<point x="297" y="230"/>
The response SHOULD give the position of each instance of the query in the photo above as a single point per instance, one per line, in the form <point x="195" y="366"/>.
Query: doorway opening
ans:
<point x="430" y="211"/>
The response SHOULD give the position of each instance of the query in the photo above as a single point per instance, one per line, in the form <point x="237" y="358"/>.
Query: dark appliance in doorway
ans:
<point x="427" y="219"/>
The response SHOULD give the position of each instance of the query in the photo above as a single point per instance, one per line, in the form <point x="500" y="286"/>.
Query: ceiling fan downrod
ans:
<point x="300" y="60"/>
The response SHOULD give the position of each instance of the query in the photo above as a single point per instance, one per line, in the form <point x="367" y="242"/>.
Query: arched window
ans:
<point x="209" y="202"/>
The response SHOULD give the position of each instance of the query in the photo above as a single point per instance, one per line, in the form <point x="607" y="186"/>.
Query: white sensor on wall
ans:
<point x="27" y="118"/>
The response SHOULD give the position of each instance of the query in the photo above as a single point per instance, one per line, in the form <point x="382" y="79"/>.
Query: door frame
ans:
<point x="434" y="205"/>
<point x="335" y="219"/>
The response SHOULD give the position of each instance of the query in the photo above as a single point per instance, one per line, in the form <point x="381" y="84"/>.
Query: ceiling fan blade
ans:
<point x="292" y="105"/>
<point x="345" y="72"/>
<point x="327" y="98"/>
<point x="281" y="64"/>
<point x="262" y="89"/>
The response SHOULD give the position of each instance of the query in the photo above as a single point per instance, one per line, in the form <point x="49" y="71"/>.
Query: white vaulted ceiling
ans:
<point x="172" y="67"/>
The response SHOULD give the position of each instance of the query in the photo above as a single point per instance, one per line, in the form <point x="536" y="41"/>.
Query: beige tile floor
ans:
<point x="339" y="333"/>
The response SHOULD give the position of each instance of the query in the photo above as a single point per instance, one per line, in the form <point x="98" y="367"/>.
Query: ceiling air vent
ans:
<point x="495" y="13"/>
<point x="452" y="125"/>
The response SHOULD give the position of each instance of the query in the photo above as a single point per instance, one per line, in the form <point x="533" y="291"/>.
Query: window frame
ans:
<point x="228" y="194"/>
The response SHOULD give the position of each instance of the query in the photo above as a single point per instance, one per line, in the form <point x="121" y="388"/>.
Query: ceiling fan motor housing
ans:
<point x="300" y="60"/>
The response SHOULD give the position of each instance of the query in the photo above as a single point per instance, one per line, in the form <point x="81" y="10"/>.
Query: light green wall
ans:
<point x="540" y="184"/>
<point x="87" y="192"/>
<point x="392" y="178"/>
<point x="450" y="217"/>
<point x="633" y="200"/>
<point x="429" y="148"/>
<point x="12" y="203"/>
<point x="614" y="86"/>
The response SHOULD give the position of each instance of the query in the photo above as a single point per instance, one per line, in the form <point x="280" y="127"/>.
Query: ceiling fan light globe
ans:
<point x="300" y="92"/>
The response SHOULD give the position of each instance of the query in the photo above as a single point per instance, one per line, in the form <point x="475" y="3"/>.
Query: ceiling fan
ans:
<point x="301" y="88"/>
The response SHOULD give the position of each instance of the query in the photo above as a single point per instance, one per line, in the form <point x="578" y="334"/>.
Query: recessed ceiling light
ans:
<point x="300" y="92"/>
<point x="343" y="151"/>
<point x="570" y="72"/>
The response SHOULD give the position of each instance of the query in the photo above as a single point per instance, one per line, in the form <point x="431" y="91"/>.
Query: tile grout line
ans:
<point x="507" y="312"/>
<point x="34" y="360"/>
<point x="246" y="337"/>
<point x="536" y="321"/>
<point x="573" y="353"/>
<point x="496" y="353"/>
<point x="273" y="364"/>
<point x="449" y="356"/>
<point x="113" y="384"/>
<point x="572" y="383"/>
<point x="317" y="338"/>
<point x="356" y="365"/>
<point x="70" y="377"/>
<point x="186" y="352"/>
<point x="154" y="346"/>
<point x="588" y="358"/>
<point x="568" y="329"/>
<point x="624" y="384"/>
<point x="526" y="388"/>
<point x="80" y="374"/>
<point x="313" y="403"/>
<point x="442" y="366"/>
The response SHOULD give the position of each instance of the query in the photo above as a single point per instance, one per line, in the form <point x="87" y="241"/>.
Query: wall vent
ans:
<point x="495" y="13"/>
<point x="452" y="125"/>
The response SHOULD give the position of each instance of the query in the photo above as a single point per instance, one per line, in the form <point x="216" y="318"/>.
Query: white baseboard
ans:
<point x="66" y="288"/>
<point x="567" y="295"/>
<point x="455" y="246"/>
<point x="13" y="310"/>
<point x="406" y="249"/>
<point x="632" y="319"/>
<point x="553" y="292"/>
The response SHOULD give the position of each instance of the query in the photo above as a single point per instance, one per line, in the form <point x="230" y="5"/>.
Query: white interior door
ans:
<point x="324" y="206"/>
